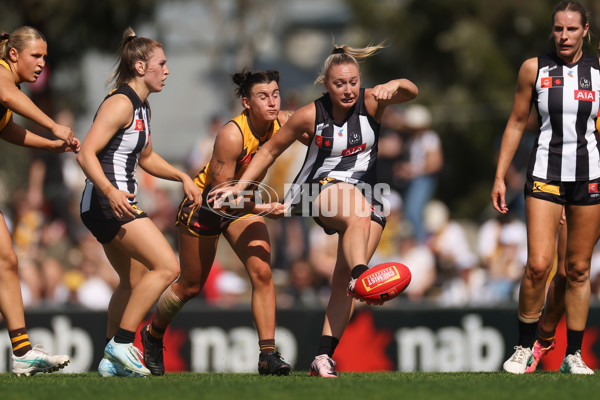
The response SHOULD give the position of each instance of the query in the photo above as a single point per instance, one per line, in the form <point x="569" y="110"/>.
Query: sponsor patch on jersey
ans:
<point x="323" y="143"/>
<point x="546" y="188"/>
<point x="593" y="188"/>
<point x="552" y="81"/>
<point x="138" y="211"/>
<point x="139" y="125"/>
<point x="354" y="150"/>
<point x="585" y="95"/>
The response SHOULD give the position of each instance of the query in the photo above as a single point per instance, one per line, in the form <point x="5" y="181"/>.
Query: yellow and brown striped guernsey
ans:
<point x="5" y="113"/>
<point x="251" y="145"/>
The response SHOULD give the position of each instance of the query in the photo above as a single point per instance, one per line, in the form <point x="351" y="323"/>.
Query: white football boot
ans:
<point x="323" y="366"/>
<point x="37" y="360"/>
<point x="573" y="364"/>
<point x="127" y="355"/>
<point x="517" y="363"/>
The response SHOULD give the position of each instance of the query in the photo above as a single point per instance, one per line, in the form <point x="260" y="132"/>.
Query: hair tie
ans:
<point x="129" y="39"/>
<point x="338" y="50"/>
<point x="4" y="36"/>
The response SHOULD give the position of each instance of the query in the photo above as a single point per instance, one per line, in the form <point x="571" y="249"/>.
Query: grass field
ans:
<point x="363" y="386"/>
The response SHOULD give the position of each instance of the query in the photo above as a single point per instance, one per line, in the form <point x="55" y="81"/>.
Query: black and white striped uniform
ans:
<point x="345" y="150"/>
<point x="567" y="101"/>
<point x="120" y="156"/>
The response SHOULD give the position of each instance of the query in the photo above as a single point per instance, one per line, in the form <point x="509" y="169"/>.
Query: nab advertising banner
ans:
<point x="377" y="339"/>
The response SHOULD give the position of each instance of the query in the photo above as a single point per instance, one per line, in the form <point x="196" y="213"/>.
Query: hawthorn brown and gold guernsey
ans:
<point x="5" y="113"/>
<point x="252" y="143"/>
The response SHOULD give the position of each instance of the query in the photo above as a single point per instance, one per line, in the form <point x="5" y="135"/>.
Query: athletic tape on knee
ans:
<point x="169" y="304"/>
<point x="529" y="319"/>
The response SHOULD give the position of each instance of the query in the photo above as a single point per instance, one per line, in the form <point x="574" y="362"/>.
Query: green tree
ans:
<point x="71" y="28"/>
<point x="464" y="55"/>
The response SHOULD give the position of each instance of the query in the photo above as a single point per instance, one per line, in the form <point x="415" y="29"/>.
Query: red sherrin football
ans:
<point x="383" y="282"/>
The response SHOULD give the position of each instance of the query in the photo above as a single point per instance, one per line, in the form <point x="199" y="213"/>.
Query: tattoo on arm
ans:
<point x="217" y="168"/>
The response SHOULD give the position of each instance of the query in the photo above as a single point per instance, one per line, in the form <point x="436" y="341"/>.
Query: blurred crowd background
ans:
<point x="437" y="153"/>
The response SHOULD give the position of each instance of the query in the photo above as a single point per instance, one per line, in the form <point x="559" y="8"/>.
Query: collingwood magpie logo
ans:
<point x="584" y="83"/>
<point x="354" y="138"/>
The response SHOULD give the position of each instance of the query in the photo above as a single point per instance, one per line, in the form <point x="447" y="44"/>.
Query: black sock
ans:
<point x="327" y="345"/>
<point x="358" y="270"/>
<point x="107" y="340"/>
<point x="574" y="340"/>
<point x="124" y="336"/>
<point x="527" y="333"/>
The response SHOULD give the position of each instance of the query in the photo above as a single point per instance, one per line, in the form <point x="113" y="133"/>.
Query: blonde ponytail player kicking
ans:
<point x="343" y="127"/>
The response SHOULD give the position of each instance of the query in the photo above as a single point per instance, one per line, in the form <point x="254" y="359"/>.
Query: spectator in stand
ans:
<point x="456" y="262"/>
<point x="424" y="161"/>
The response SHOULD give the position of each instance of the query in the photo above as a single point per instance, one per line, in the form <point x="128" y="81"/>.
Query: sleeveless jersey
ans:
<point x="346" y="151"/>
<point x="251" y="144"/>
<point x="120" y="156"/>
<point x="5" y="113"/>
<point x="566" y="98"/>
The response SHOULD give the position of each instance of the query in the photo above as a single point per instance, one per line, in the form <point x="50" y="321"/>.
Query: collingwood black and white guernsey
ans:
<point x="566" y="97"/>
<point x="346" y="151"/>
<point x="120" y="156"/>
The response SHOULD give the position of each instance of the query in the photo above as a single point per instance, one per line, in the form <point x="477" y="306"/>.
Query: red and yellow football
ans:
<point x="382" y="282"/>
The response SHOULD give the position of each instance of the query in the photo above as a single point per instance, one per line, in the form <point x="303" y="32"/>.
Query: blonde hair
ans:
<point x="344" y="54"/>
<point x="18" y="40"/>
<point x="131" y="50"/>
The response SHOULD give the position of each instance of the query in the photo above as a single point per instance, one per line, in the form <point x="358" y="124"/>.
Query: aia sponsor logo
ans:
<point x="552" y="81"/>
<point x="139" y="125"/>
<point x="354" y="150"/>
<point x="585" y="95"/>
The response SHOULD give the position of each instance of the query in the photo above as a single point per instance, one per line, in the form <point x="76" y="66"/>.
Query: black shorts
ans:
<point x="103" y="227"/>
<point x="320" y="184"/>
<point x="203" y="221"/>
<point x="579" y="193"/>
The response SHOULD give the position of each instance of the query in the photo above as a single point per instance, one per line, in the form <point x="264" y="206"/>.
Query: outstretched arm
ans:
<point x="393" y="92"/>
<point x="299" y="124"/>
<point x="12" y="98"/>
<point x="16" y="134"/>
